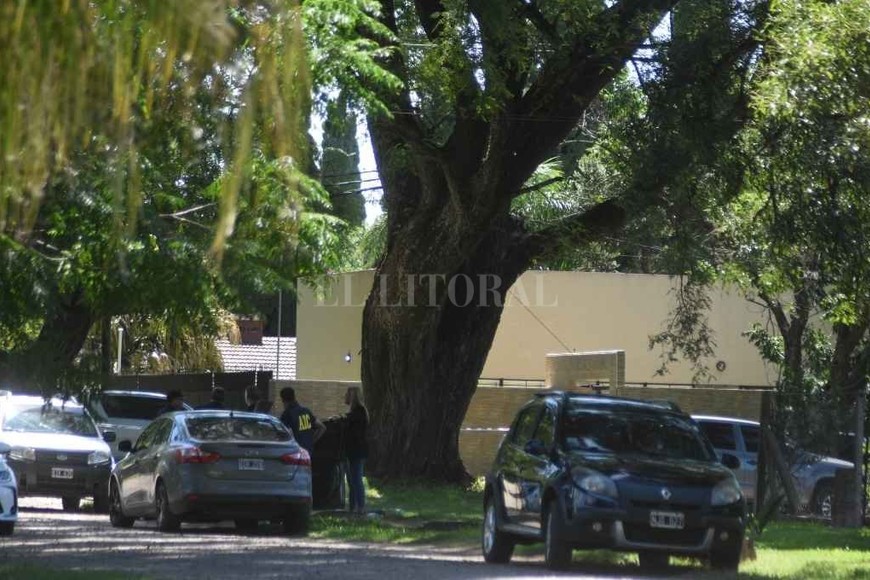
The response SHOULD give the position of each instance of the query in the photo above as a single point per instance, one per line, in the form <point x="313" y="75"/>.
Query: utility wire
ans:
<point x="541" y="322"/>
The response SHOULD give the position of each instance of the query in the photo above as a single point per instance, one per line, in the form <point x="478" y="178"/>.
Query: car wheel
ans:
<point x="116" y="510"/>
<point x="823" y="499"/>
<point x="70" y="504"/>
<point x="498" y="547"/>
<point x="653" y="560"/>
<point x="557" y="552"/>
<point x="166" y="520"/>
<point x="296" y="523"/>
<point x="246" y="524"/>
<point x="726" y="560"/>
<point x="6" y="528"/>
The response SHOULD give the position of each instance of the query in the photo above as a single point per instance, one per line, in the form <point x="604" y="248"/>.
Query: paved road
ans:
<point x="51" y="537"/>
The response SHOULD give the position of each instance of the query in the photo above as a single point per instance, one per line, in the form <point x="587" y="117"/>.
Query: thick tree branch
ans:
<point x="595" y="223"/>
<point x="569" y="82"/>
<point x="538" y="20"/>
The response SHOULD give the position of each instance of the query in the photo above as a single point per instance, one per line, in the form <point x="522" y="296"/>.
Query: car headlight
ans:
<point x="726" y="492"/>
<point x="597" y="484"/>
<point x="23" y="453"/>
<point x="98" y="457"/>
<point x="5" y="476"/>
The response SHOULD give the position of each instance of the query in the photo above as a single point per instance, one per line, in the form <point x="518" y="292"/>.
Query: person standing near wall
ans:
<point x="218" y="395"/>
<point x="305" y="426"/>
<point x="356" y="447"/>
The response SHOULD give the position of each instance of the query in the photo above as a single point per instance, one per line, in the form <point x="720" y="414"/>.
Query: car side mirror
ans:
<point x="109" y="436"/>
<point x="730" y="461"/>
<point x="125" y="446"/>
<point x="535" y="447"/>
<point x="5" y="449"/>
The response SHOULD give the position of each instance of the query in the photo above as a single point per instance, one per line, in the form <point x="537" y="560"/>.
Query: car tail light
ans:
<point x="300" y="457"/>
<point x="195" y="455"/>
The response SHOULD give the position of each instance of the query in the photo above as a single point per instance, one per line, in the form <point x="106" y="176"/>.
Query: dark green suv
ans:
<point x="591" y="472"/>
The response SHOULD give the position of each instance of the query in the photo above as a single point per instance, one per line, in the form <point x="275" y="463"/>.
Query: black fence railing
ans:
<point x="540" y="384"/>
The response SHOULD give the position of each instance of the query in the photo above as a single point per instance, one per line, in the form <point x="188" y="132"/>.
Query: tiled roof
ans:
<point x="248" y="357"/>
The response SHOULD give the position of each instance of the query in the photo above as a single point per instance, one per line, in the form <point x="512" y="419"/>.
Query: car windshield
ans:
<point x="236" y="429"/>
<point x="49" y="419"/>
<point x="142" y="407"/>
<point x="620" y="432"/>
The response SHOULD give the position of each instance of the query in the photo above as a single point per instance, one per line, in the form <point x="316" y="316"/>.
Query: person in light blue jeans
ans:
<point x="356" y="448"/>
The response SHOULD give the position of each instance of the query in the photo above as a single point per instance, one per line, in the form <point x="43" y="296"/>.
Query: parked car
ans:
<point x="590" y="471"/>
<point x="813" y="474"/>
<point x="126" y="413"/>
<point x="212" y="466"/>
<point x="56" y="449"/>
<point x="8" y="494"/>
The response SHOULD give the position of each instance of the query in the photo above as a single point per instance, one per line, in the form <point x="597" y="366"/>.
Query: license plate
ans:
<point x="251" y="464"/>
<point x="667" y="520"/>
<point x="61" y="473"/>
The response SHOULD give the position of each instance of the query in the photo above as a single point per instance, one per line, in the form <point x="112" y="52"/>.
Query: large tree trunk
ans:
<point x="425" y="340"/>
<point x="36" y="368"/>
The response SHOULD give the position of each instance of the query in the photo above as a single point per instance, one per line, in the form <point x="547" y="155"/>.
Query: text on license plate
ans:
<point x="667" y="520"/>
<point x="251" y="464"/>
<point x="61" y="473"/>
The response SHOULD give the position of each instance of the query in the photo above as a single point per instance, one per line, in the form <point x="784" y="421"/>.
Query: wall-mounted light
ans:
<point x="348" y="357"/>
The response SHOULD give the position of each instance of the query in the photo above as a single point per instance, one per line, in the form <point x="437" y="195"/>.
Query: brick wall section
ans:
<point x="740" y="403"/>
<point x="493" y="408"/>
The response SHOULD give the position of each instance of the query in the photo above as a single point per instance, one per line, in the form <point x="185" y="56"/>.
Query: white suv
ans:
<point x="813" y="474"/>
<point x="8" y="494"/>
<point x="126" y="413"/>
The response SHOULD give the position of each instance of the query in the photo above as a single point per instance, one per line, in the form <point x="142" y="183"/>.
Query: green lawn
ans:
<point x="785" y="550"/>
<point x="804" y="550"/>
<point x="408" y="513"/>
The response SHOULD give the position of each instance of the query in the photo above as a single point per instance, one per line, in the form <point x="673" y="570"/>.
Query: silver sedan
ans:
<point x="211" y="466"/>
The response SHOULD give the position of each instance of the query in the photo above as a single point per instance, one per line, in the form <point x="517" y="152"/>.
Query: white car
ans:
<point x="126" y="413"/>
<point x="8" y="494"/>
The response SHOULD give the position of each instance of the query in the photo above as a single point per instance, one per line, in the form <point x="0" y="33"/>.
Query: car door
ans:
<point x="514" y="459"/>
<point x="750" y="436"/>
<point x="537" y="467"/>
<point x="130" y="470"/>
<point x="724" y="437"/>
<point x="151" y="458"/>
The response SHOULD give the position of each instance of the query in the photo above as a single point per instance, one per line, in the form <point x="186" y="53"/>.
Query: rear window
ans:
<point x="132" y="407"/>
<point x="236" y="429"/>
<point x="49" y="419"/>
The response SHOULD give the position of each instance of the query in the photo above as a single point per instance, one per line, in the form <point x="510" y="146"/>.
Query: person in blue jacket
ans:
<point x="300" y="420"/>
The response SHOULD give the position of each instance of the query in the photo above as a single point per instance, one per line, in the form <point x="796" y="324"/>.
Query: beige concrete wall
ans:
<point x="585" y="311"/>
<point x="603" y="311"/>
<point x="329" y="326"/>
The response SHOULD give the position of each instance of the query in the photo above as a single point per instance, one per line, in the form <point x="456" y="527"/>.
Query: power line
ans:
<point x="372" y="179"/>
<point x="348" y="174"/>
<point x="541" y="322"/>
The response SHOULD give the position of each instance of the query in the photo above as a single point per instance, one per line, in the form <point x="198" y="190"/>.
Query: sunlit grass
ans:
<point x="407" y="514"/>
<point x="451" y="516"/>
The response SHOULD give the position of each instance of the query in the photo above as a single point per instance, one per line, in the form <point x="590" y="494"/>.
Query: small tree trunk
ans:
<point x="106" y="346"/>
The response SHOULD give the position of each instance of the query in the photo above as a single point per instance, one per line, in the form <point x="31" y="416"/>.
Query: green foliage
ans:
<point x="346" y="39"/>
